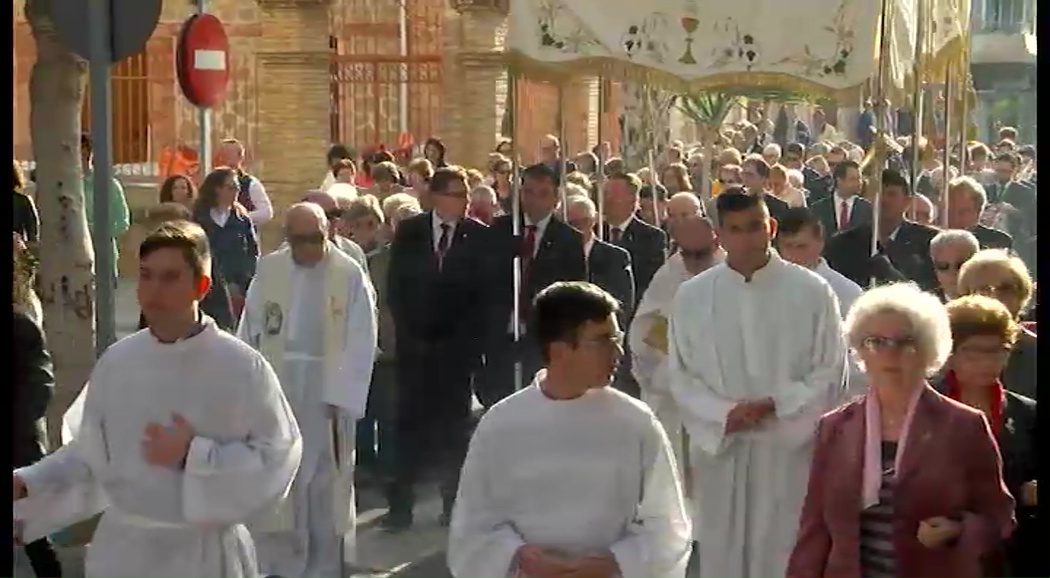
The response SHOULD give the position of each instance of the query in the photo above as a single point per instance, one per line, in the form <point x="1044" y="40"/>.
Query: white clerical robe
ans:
<point x="317" y="325"/>
<point x="648" y="345"/>
<point x="778" y="335"/>
<point x="161" y="521"/>
<point x="584" y="475"/>
<point x="847" y="292"/>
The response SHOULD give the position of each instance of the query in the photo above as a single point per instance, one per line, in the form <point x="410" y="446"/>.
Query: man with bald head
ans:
<point x="311" y="312"/>
<point x="681" y="207"/>
<point x="608" y="266"/>
<point x="329" y="202"/>
<point x="697" y="251"/>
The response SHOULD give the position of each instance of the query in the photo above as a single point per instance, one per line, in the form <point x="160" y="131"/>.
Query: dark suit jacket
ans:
<point x="848" y="253"/>
<point x="1020" y="373"/>
<point x="439" y="313"/>
<point x="647" y="246"/>
<point x="559" y="257"/>
<point x="819" y="186"/>
<point x="33" y="382"/>
<point x="24" y="219"/>
<point x="609" y="267"/>
<point x="1019" y="447"/>
<point x="950" y="467"/>
<point x="827" y="211"/>
<point x="1022" y="196"/>
<point x="990" y="238"/>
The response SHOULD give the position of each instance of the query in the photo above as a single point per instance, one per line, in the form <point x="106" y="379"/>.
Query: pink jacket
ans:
<point x="950" y="467"/>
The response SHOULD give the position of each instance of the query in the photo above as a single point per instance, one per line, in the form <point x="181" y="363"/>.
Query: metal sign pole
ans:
<point x="204" y="121"/>
<point x="101" y="48"/>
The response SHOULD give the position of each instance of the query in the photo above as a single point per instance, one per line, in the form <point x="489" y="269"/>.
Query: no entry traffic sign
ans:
<point x="203" y="60"/>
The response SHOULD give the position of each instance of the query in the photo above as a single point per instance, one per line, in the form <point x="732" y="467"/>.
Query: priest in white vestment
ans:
<point x="756" y="356"/>
<point x="180" y="437"/>
<point x="311" y="312"/>
<point x="570" y="477"/>
<point x="697" y="251"/>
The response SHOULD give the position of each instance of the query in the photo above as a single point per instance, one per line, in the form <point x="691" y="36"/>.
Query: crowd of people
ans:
<point x="807" y="376"/>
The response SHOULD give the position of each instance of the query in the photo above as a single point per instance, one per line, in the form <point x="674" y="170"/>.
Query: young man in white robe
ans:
<point x="756" y="357"/>
<point x="180" y="437"/>
<point x="800" y="240"/>
<point x="311" y="312"/>
<point x="570" y="477"/>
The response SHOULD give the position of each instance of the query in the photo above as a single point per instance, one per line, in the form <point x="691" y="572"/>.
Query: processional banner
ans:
<point x="811" y="45"/>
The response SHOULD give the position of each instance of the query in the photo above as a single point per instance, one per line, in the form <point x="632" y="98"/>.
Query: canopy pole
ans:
<point x="964" y="106"/>
<point x="918" y="107"/>
<point x="515" y="211"/>
<point x="563" y="165"/>
<point x="654" y="182"/>
<point x="599" y="171"/>
<point x="880" y="122"/>
<point x="946" y="162"/>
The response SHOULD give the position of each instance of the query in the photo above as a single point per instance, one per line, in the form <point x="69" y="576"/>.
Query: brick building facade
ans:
<point x="305" y="73"/>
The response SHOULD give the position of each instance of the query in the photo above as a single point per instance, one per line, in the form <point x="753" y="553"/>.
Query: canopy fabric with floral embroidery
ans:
<point x="818" y="46"/>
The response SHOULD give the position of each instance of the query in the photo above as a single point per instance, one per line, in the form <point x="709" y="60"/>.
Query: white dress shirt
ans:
<point x="263" y="210"/>
<point x="850" y="204"/>
<point x="622" y="227"/>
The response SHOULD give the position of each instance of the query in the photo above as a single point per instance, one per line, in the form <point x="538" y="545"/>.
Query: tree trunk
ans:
<point x="66" y="280"/>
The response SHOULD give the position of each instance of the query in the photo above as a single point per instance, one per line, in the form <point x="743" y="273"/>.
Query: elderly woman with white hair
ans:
<point x="949" y="251"/>
<point x="1003" y="277"/>
<point x="904" y="481"/>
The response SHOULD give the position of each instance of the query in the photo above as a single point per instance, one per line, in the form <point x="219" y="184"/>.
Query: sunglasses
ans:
<point x="880" y="343"/>
<point x="334" y="214"/>
<point x="307" y="239"/>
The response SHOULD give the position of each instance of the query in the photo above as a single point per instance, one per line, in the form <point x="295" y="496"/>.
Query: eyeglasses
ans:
<point x="613" y="340"/>
<point x="1005" y="287"/>
<point x="876" y="343"/>
<point x="943" y="266"/>
<point x="334" y="214"/>
<point x="306" y="239"/>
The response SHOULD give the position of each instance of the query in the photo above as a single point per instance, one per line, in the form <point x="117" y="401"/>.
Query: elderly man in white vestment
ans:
<point x="570" y="477"/>
<point x="697" y="251"/>
<point x="756" y="357"/>
<point x="329" y="201"/>
<point x="180" y="437"/>
<point x="311" y="312"/>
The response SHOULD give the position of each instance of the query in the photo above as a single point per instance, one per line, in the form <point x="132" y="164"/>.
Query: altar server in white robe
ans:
<point x="697" y="251"/>
<point x="311" y="312"/>
<point x="756" y="357"/>
<point x="570" y="477"/>
<point x="182" y="434"/>
<point x="800" y="240"/>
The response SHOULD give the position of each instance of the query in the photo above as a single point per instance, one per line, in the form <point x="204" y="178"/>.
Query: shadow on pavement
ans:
<point x="432" y="566"/>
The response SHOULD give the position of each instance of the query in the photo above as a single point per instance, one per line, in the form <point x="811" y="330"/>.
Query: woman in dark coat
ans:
<point x="32" y="385"/>
<point x="983" y="334"/>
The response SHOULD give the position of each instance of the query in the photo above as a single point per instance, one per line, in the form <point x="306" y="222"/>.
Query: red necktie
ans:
<point x="528" y="248"/>
<point x="844" y="215"/>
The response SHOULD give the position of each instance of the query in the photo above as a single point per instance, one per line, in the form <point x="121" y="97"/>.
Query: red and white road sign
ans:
<point x="203" y="60"/>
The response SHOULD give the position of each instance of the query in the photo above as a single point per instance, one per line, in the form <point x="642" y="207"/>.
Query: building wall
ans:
<point x="365" y="76"/>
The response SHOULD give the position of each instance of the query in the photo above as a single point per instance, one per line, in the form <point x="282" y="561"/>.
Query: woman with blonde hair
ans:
<point x="1003" y="277"/>
<point x="904" y="481"/>
<point x="983" y="333"/>
<point x="675" y="178"/>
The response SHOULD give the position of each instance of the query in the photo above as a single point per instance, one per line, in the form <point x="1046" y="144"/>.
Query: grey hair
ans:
<point x="795" y="178"/>
<point x="972" y="186"/>
<point x="771" y="148"/>
<point x="954" y="237"/>
<point x="343" y="193"/>
<point x="584" y="201"/>
<point x="926" y="315"/>
<point x="573" y="190"/>
<point x="938" y="172"/>
<point x="485" y="191"/>
<point x="395" y="201"/>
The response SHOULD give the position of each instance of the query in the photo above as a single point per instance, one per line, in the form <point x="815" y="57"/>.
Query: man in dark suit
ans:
<point x="608" y="266"/>
<point x="1021" y="195"/>
<point x="646" y="244"/>
<point x="755" y="175"/>
<point x="438" y="295"/>
<point x="903" y="247"/>
<point x="966" y="201"/>
<point x="549" y="251"/>
<point x="845" y="208"/>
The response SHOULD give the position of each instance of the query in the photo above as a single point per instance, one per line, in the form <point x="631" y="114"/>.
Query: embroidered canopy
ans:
<point x="821" y="46"/>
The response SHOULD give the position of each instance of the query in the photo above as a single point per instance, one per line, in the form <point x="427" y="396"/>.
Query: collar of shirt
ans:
<point x="540" y="225"/>
<point x="848" y="200"/>
<point x="587" y="249"/>
<point x="622" y="226"/>
<point x="437" y="222"/>
<point x="219" y="216"/>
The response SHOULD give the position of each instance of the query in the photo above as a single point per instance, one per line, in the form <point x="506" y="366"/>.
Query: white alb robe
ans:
<point x="650" y="363"/>
<point x="323" y="347"/>
<point x="778" y="336"/>
<point x="847" y="292"/>
<point x="585" y="475"/>
<point x="160" y="521"/>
